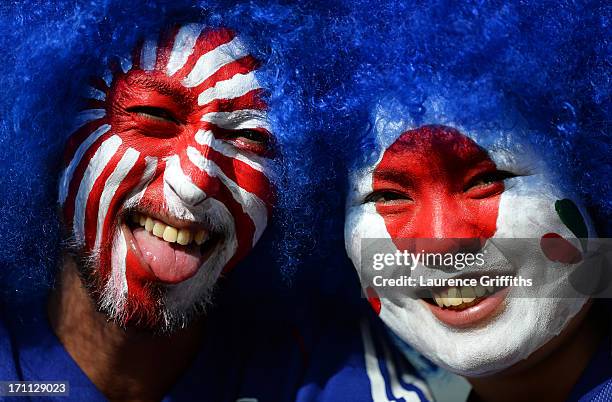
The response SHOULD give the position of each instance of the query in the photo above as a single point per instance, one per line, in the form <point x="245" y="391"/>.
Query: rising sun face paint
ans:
<point x="437" y="182"/>
<point x="166" y="179"/>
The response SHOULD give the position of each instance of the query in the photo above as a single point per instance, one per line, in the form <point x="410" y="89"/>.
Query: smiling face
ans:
<point x="434" y="185"/>
<point x="166" y="180"/>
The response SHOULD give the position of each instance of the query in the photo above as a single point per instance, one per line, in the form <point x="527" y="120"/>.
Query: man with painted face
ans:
<point x="166" y="181"/>
<point x="471" y="160"/>
<point x="165" y="186"/>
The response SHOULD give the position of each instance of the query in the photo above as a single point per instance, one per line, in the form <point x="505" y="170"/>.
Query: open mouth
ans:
<point x="172" y="250"/>
<point x="466" y="305"/>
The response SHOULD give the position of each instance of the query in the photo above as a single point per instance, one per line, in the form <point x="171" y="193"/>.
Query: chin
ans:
<point x="160" y="270"/>
<point x="520" y="328"/>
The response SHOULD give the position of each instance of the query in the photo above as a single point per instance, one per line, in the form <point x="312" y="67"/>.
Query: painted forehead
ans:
<point x="503" y="135"/>
<point x="435" y="152"/>
<point x="192" y="69"/>
<point x="440" y="143"/>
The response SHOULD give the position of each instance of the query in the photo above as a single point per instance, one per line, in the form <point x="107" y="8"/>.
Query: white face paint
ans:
<point x="525" y="209"/>
<point x="167" y="181"/>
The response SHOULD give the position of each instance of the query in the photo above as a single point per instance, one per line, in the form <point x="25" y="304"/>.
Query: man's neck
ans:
<point x="551" y="372"/>
<point x="123" y="364"/>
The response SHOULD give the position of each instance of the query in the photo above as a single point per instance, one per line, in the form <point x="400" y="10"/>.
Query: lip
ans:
<point x="481" y="311"/>
<point x="143" y="271"/>
<point x="170" y="220"/>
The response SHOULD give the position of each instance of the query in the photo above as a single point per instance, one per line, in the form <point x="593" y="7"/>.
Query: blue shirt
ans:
<point x="240" y="361"/>
<point x="332" y="357"/>
<point x="595" y="383"/>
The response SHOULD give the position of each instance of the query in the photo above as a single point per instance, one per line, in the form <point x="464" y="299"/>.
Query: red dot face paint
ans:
<point x="435" y="183"/>
<point x="558" y="249"/>
<point x="169" y="172"/>
<point x="374" y="300"/>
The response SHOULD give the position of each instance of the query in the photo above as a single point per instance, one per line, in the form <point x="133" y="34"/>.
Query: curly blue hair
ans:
<point x="328" y="65"/>
<point x="546" y="61"/>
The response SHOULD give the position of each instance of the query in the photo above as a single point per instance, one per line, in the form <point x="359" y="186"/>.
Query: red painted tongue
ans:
<point x="170" y="262"/>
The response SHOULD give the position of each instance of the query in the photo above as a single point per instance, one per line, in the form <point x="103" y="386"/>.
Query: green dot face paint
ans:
<point x="570" y="215"/>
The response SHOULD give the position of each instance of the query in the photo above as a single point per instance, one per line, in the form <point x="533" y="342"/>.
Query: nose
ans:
<point x="190" y="184"/>
<point x="444" y="226"/>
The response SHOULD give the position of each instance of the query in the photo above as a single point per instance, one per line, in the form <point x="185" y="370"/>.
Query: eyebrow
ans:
<point x="393" y="176"/>
<point x="163" y="88"/>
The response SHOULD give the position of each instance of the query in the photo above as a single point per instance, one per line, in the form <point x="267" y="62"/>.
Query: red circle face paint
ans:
<point x="166" y="179"/>
<point x="435" y="183"/>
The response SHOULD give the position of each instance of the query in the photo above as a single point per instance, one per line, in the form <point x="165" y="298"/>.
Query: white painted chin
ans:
<point x="520" y="329"/>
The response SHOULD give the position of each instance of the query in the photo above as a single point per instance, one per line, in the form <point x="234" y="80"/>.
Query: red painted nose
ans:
<point x="442" y="224"/>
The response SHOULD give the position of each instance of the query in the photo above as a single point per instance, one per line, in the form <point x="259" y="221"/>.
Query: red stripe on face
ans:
<point x="153" y="199"/>
<point x="110" y="221"/>
<point x="79" y="136"/>
<point x="242" y="174"/>
<point x="241" y="66"/>
<point x="431" y="186"/>
<point x="250" y="100"/>
<point x="244" y="225"/>
<point x="77" y="177"/>
<point x="210" y="185"/>
<point x="93" y="199"/>
<point x="142" y="302"/>
<point x="207" y="41"/>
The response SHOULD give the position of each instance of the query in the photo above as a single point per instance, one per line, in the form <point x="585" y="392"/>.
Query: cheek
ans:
<point x="400" y="221"/>
<point x="361" y="223"/>
<point x="554" y="224"/>
<point x="528" y="214"/>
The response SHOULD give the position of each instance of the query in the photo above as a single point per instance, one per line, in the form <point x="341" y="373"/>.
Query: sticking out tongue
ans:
<point x="170" y="262"/>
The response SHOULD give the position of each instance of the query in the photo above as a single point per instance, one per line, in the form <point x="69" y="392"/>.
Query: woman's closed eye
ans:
<point x="387" y="196"/>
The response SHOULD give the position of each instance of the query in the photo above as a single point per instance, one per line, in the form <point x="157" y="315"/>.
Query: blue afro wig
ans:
<point x="545" y="61"/>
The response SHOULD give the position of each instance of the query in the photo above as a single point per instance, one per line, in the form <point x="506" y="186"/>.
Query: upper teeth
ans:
<point x="456" y="296"/>
<point x="170" y="233"/>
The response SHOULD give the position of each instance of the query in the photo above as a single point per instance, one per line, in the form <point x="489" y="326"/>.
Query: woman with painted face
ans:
<point x="487" y="140"/>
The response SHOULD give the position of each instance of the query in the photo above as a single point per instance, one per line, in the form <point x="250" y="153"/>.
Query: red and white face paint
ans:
<point x="167" y="178"/>
<point x="436" y="182"/>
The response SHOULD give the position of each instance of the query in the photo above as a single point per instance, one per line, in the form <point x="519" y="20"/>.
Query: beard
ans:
<point x="149" y="308"/>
